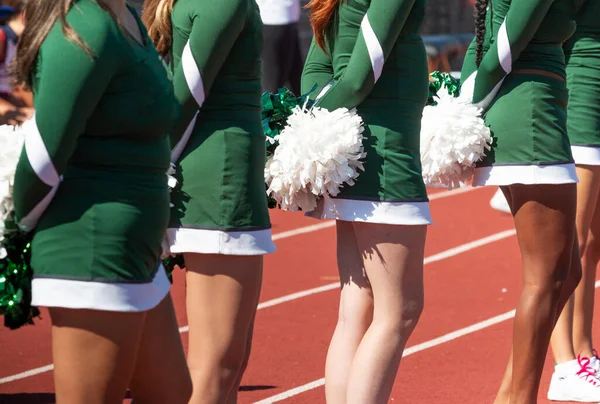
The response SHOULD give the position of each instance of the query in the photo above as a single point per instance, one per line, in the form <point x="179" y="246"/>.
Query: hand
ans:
<point x="11" y="115"/>
<point x="467" y="89"/>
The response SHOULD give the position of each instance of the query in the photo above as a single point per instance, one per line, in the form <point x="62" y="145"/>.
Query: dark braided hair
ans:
<point x="480" y="13"/>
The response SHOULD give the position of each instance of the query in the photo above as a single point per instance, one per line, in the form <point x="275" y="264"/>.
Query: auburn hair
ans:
<point x="321" y="14"/>
<point x="157" y="19"/>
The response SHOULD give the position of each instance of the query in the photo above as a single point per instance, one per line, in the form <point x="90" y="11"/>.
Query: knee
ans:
<point x="412" y="313"/>
<point x="356" y="317"/>
<point x="404" y="322"/>
<point x="591" y="250"/>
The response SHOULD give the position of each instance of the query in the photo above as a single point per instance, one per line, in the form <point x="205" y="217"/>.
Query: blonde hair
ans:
<point x="157" y="19"/>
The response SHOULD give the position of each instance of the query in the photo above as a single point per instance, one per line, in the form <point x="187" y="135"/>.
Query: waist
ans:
<point x="583" y="46"/>
<point x="544" y="57"/>
<point x="128" y="155"/>
<point x="539" y="72"/>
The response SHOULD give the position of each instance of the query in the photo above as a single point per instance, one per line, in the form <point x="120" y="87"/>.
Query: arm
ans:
<point x="215" y="29"/>
<point x="469" y="63"/>
<point x="520" y="25"/>
<point x="379" y="30"/>
<point x="70" y="84"/>
<point x="318" y="70"/>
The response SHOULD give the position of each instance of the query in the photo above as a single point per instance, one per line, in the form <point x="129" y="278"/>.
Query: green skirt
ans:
<point x="98" y="244"/>
<point x="220" y="202"/>
<point x="584" y="111"/>
<point x="528" y="122"/>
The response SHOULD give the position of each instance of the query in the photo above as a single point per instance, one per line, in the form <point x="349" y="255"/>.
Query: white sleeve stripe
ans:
<point x="29" y="222"/>
<point x="192" y="75"/>
<point x="37" y="154"/>
<point x="504" y="52"/>
<point x="180" y="146"/>
<point x="373" y="47"/>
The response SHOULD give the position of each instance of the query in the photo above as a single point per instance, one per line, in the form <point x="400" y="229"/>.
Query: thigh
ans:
<point x="544" y="218"/>
<point x="94" y="354"/>
<point x="222" y="297"/>
<point x="393" y="260"/>
<point x="587" y="199"/>
<point x="356" y="300"/>
<point x="161" y="374"/>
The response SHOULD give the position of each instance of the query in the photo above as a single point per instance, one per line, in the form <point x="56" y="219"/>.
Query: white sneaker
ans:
<point x="574" y="381"/>
<point x="499" y="202"/>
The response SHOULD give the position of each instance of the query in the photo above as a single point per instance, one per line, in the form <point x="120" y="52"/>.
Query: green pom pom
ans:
<point x="15" y="279"/>
<point x="171" y="262"/>
<point x="276" y="108"/>
<point x="439" y="80"/>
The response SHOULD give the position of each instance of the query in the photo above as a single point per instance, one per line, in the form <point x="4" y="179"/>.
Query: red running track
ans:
<point x="456" y="355"/>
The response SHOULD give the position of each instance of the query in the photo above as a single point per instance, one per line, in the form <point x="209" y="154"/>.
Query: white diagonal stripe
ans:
<point x="504" y="52"/>
<point x="37" y="154"/>
<point x="192" y="75"/>
<point x="180" y="146"/>
<point x="373" y="47"/>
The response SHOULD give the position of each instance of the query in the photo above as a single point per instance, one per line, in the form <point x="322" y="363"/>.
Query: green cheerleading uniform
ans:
<point x="583" y="80"/>
<point x="526" y="112"/>
<point x="375" y="61"/>
<point x="92" y="177"/>
<point x="219" y="202"/>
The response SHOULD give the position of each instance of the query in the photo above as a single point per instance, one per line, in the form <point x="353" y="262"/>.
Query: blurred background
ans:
<point x="447" y="31"/>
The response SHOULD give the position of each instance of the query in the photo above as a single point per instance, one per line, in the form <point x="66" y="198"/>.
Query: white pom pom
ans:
<point x="11" y="144"/>
<point x="318" y="152"/>
<point x="453" y="138"/>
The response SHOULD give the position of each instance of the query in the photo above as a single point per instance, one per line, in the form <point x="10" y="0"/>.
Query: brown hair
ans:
<point x="157" y="19"/>
<point x="480" y="29"/>
<point x="321" y="13"/>
<point x="40" y="17"/>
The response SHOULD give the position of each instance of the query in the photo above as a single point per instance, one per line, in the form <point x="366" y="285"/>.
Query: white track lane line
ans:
<point x="408" y="351"/>
<point x="320" y="289"/>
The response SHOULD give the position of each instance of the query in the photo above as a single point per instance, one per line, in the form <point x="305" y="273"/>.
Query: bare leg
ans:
<point x="161" y="374"/>
<point x="222" y="296"/>
<point x="94" y="354"/>
<point x="355" y="314"/>
<point x="393" y="261"/>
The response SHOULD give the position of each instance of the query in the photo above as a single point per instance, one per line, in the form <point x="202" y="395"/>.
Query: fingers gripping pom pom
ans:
<point x="453" y="138"/>
<point x="319" y="151"/>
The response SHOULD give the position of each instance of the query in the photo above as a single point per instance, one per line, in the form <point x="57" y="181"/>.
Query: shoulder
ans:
<point x="222" y="8"/>
<point x="94" y="26"/>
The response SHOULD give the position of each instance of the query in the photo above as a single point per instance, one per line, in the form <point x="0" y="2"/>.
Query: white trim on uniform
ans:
<point x="525" y="174"/>
<point x="121" y="297"/>
<point x="205" y="241"/>
<point x="373" y="47"/>
<point x="43" y="167"/>
<point x="38" y="155"/>
<point x="586" y="155"/>
<point x="180" y="146"/>
<point x="30" y="220"/>
<point x="192" y="74"/>
<point x="504" y="52"/>
<point x="395" y="213"/>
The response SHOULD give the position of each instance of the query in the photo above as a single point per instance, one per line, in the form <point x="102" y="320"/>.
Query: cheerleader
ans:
<point x="220" y="220"/>
<point x="368" y="54"/>
<point x="92" y="183"/>
<point x="572" y="344"/>
<point x="517" y="73"/>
